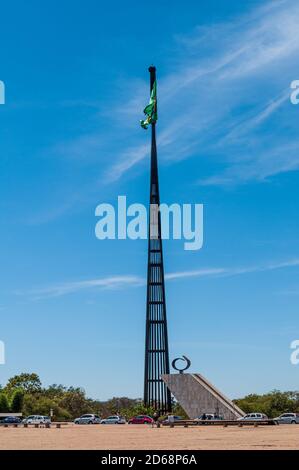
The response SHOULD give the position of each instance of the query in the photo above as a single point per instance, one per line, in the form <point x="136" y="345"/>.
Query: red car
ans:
<point x="141" y="419"/>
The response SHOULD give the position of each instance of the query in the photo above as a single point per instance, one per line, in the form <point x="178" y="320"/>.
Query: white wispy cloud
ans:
<point x="241" y="129"/>
<point x="127" y="281"/>
<point x="222" y="68"/>
<point x="233" y="271"/>
<point x="258" y="167"/>
<point x="110" y="283"/>
<point x="207" y="272"/>
<point x="223" y="98"/>
<point x="129" y="159"/>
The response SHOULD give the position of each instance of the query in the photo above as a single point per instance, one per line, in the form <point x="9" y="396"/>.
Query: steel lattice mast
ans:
<point x="156" y="394"/>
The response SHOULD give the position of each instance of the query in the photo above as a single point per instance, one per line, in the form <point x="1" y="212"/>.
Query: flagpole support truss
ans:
<point x="156" y="393"/>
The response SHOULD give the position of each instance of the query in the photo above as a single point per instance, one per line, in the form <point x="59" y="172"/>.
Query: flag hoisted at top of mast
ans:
<point x="151" y="109"/>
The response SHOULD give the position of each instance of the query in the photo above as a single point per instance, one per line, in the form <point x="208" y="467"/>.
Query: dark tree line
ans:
<point x="24" y="393"/>
<point x="272" y="404"/>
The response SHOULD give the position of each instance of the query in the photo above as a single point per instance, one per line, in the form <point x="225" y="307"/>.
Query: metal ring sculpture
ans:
<point x="183" y="358"/>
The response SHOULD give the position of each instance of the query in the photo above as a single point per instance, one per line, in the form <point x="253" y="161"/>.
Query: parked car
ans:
<point x="172" y="419"/>
<point x="141" y="419"/>
<point x="209" y="416"/>
<point x="37" y="419"/>
<point x="253" y="417"/>
<point x="288" y="418"/>
<point x="113" y="420"/>
<point x="88" y="419"/>
<point x="11" y="420"/>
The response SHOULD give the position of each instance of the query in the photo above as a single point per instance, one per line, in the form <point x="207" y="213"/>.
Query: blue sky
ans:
<point x="73" y="307"/>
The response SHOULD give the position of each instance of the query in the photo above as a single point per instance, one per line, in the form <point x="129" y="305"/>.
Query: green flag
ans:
<point x="151" y="109"/>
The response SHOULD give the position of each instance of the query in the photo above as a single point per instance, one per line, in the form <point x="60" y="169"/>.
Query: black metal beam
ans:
<point x="156" y="393"/>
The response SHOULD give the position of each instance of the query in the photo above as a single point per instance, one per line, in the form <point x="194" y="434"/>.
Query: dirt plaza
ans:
<point x="133" y="437"/>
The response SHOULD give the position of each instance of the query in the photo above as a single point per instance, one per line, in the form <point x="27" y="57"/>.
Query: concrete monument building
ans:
<point x="197" y="396"/>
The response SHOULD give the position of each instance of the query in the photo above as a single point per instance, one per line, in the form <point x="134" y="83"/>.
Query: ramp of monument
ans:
<point x="219" y="395"/>
<point x="197" y="396"/>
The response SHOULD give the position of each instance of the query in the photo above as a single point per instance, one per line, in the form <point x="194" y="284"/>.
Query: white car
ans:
<point x="253" y="417"/>
<point x="88" y="419"/>
<point x="37" y="419"/>
<point x="288" y="418"/>
<point x="113" y="420"/>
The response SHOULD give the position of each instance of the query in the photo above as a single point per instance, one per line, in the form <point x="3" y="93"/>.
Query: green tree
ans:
<point x="55" y="391"/>
<point x="272" y="404"/>
<point x="75" y="402"/>
<point x="4" y="404"/>
<point x="116" y="404"/>
<point x="30" y="404"/>
<point x="34" y="404"/>
<point x="16" y="401"/>
<point x="29" y="383"/>
<point x="135" y="410"/>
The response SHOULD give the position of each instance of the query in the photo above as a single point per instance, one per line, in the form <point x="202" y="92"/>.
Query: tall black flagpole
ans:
<point x="156" y="393"/>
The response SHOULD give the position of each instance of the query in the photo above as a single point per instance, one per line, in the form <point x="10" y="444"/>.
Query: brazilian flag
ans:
<point x="151" y="109"/>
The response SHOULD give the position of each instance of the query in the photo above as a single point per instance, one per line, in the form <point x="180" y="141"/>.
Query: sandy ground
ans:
<point x="143" y="437"/>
